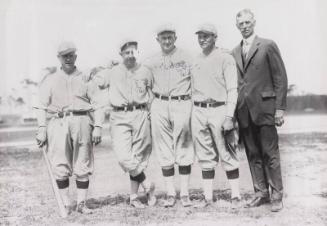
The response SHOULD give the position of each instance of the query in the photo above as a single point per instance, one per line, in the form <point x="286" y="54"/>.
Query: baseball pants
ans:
<point x="171" y="131"/>
<point x="208" y="139"/>
<point x="70" y="146"/>
<point x="130" y="132"/>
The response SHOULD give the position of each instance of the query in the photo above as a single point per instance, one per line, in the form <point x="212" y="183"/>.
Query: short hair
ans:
<point x="245" y="11"/>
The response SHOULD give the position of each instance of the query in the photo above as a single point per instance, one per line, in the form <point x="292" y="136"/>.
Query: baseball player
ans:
<point x="171" y="113"/>
<point x="214" y="99"/>
<point x="130" y="86"/>
<point x="69" y="120"/>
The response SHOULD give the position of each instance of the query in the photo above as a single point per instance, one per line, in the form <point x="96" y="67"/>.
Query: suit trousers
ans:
<point x="261" y="146"/>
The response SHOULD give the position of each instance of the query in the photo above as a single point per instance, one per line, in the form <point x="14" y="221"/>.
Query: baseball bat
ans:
<point x="62" y="209"/>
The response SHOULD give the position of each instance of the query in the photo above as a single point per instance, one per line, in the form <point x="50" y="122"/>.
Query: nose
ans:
<point x="130" y="54"/>
<point x="166" y="41"/>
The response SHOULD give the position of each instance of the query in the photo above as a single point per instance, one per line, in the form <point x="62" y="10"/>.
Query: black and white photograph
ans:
<point x="163" y="112"/>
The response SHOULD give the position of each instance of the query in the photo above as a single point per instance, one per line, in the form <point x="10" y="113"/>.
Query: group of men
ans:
<point x="180" y="107"/>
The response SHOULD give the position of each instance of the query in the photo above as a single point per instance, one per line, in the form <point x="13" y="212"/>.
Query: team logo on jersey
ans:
<point x="141" y="85"/>
<point x="183" y="68"/>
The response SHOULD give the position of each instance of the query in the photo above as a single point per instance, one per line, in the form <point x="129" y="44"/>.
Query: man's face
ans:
<point x="245" y="23"/>
<point x="206" y="41"/>
<point x="129" y="55"/>
<point x="68" y="61"/>
<point x="167" y="41"/>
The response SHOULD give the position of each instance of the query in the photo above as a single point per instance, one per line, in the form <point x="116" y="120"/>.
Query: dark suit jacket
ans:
<point x="262" y="83"/>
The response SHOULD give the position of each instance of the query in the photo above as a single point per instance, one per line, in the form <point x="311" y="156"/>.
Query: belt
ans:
<point x="130" y="107"/>
<point x="181" y="97"/>
<point x="62" y="114"/>
<point x="208" y="105"/>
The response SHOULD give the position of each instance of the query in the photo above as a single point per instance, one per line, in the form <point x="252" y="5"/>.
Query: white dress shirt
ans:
<point x="246" y="44"/>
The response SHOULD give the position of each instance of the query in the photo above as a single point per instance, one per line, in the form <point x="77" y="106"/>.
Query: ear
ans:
<point x="157" y="38"/>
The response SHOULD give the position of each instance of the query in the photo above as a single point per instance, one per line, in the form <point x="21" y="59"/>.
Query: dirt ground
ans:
<point x="26" y="197"/>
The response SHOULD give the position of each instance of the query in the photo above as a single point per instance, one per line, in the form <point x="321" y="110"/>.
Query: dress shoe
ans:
<point x="258" y="201"/>
<point x="276" y="205"/>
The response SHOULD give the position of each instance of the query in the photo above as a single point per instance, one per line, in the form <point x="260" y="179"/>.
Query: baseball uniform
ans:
<point x="171" y="114"/>
<point x="214" y="89"/>
<point x="214" y="96"/>
<point x="171" y="108"/>
<point x="72" y="114"/>
<point x="129" y="96"/>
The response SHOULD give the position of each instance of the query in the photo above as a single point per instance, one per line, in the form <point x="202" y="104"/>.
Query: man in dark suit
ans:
<point x="262" y="86"/>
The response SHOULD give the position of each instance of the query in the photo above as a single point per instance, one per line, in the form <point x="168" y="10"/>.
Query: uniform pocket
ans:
<point x="268" y="94"/>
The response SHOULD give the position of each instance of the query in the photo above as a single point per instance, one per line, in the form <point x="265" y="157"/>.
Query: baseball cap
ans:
<point x="66" y="47"/>
<point x="127" y="42"/>
<point x="207" y="28"/>
<point x="165" y="27"/>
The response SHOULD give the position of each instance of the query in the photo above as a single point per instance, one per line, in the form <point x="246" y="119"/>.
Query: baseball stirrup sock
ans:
<point x="184" y="184"/>
<point x="168" y="172"/>
<point x="184" y="170"/>
<point x="170" y="185"/>
<point x="210" y="174"/>
<point x="62" y="184"/>
<point x="139" y="178"/>
<point x="82" y="184"/>
<point x="207" y="188"/>
<point x="233" y="174"/>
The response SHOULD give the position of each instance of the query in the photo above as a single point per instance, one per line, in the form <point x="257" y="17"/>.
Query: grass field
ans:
<point x="27" y="199"/>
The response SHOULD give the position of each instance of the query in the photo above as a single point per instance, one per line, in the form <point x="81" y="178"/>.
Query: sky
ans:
<point x="31" y="30"/>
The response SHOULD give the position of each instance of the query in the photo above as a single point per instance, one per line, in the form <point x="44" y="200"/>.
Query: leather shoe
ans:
<point x="257" y="201"/>
<point x="276" y="205"/>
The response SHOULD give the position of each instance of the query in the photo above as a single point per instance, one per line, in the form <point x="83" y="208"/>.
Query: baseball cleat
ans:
<point x="170" y="201"/>
<point x="236" y="203"/>
<point x="204" y="203"/>
<point x="186" y="202"/>
<point x="150" y="195"/>
<point x="136" y="203"/>
<point x="69" y="209"/>
<point x="82" y="208"/>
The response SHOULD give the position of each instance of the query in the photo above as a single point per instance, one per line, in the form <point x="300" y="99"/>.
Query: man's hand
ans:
<point x="279" y="117"/>
<point x="41" y="136"/>
<point x="228" y="124"/>
<point x="96" y="135"/>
